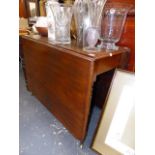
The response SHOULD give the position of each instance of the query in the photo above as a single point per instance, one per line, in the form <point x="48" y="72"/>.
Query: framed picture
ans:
<point x="32" y="8"/>
<point x="116" y="130"/>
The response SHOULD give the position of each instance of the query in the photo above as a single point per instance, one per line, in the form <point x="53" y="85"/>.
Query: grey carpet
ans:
<point x="40" y="133"/>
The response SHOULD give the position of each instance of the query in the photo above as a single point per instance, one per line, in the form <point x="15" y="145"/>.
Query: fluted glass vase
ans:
<point x="87" y="14"/>
<point x="79" y="12"/>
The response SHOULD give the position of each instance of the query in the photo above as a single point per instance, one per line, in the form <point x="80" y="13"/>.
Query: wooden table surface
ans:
<point x="62" y="78"/>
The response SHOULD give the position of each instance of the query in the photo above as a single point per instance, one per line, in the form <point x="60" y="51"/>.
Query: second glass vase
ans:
<point x="87" y="15"/>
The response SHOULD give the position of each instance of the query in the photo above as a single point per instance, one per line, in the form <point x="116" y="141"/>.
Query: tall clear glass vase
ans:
<point x="79" y="12"/>
<point x="87" y="14"/>
<point x="62" y="17"/>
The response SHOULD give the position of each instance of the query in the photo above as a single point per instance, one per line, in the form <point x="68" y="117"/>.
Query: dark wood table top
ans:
<point x="73" y="49"/>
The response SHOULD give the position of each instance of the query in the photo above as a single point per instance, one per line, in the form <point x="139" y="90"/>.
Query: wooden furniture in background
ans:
<point x="42" y="7"/>
<point x="22" y="9"/>
<point x="62" y="78"/>
<point x="128" y="39"/>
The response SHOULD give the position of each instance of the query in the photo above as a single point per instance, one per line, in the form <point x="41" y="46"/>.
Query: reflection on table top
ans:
<point x="72" y="48"/>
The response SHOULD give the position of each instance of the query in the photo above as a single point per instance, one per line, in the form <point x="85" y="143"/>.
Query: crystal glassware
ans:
<point x="112" y="24"/>
<point x="87" y="14"/>
<point x="79" y="11"/>
<point x="92" y="25"/>
<point x="62" y="17"/>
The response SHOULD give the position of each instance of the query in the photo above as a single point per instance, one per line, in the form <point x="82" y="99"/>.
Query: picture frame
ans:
<point x="116" y="129"/>
<point x="32" y="8"/>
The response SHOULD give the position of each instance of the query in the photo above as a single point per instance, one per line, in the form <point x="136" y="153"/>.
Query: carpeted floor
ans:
<point x="42" y="134"/>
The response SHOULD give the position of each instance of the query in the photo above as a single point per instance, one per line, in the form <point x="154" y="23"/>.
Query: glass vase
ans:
<point x="79" y="11"/>
<point x="62" y="18"/>
<point x="87" y="14"/>
<point x="113" y="20"/>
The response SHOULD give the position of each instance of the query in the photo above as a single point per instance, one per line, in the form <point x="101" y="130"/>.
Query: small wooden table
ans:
<point x="62" y="78"/>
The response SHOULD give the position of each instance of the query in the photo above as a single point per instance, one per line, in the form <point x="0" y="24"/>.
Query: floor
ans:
<point x="42" y="134"/>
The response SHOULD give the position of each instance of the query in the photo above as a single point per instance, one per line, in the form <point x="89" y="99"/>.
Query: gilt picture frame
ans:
<point x="116" y="129"/>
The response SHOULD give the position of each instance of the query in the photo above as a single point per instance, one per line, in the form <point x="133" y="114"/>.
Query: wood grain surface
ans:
<point x="62" y="78"/>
